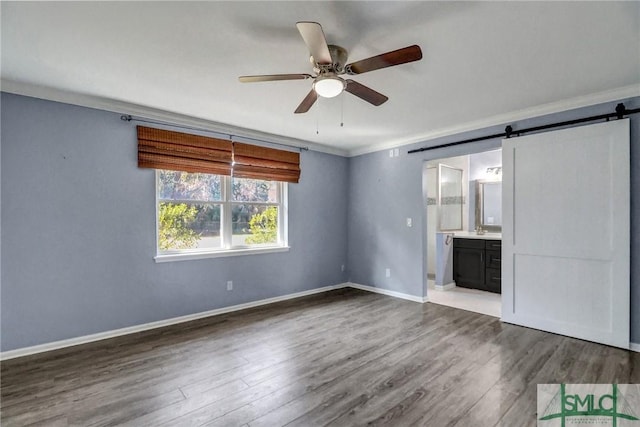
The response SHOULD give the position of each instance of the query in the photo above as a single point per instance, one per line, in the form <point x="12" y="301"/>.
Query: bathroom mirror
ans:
<point x="489" y="205"/>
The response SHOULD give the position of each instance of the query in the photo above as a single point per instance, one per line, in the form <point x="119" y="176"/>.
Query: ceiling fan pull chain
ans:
<point x="342" y="110"/>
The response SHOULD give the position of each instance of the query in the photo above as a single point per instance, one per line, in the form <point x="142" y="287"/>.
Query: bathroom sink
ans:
<point x="473" y="235"/>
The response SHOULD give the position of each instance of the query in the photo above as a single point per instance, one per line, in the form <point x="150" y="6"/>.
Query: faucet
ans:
<point x="479" y="231"/>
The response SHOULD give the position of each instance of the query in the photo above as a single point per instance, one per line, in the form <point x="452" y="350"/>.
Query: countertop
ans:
<point x="473" y="235"/>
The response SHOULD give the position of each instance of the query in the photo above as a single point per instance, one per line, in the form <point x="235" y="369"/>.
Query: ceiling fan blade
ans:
<point x="307" y="102"/>
<point x="313" y="36"/>
<point x="273" y="77"/>
<point x="363" y="92"/>
<point x="396" y="57"/>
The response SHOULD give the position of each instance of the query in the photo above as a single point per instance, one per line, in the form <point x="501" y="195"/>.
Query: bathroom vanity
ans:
<point x="477" y="261"/>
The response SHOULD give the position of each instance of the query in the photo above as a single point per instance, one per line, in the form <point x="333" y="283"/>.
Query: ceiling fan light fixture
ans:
<point x="329" y="86"/>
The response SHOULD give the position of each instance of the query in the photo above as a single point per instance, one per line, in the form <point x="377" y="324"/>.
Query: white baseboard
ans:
<point x="56" y="345"/>
<point x="26" y="351"/>
<point x="445" y="287"/>
<point x="388" y="292"/>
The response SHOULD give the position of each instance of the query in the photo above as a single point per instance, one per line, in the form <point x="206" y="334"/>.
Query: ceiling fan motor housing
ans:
<point x="339" y="57"/>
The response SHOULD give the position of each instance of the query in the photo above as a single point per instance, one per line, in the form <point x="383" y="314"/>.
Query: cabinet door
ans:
<point x="468" y="267"/>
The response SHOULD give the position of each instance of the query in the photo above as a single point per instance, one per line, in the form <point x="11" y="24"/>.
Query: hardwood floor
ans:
<point x="341" y="358"/>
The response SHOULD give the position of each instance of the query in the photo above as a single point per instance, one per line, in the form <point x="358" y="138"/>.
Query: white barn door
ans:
<point x="566" y="210"/>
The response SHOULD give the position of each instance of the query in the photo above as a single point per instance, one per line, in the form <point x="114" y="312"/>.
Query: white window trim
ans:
<point x="227" y="250"/>
<point x="219" y="253"/>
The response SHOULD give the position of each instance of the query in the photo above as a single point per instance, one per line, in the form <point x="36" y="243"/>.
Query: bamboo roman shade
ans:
<point x="252" y="161"/>
<point x="164" y="149"/>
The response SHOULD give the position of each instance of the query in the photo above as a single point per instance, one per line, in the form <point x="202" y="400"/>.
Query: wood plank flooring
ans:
<point x="340" y="358"/>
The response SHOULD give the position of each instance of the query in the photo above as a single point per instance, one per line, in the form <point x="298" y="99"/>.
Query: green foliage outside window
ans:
<point x="264" y="227"/>
<point x="174" y="231"/>
<point x="191" y="205"/>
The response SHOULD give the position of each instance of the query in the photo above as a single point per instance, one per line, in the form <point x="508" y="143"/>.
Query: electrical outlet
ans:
<point x="229" y="285"/>
<point x="391" y="153"/>
<point x="409" y="222"/>
<point x="342" y="267"/>
<point x="387" y="272"/>
<point x="396" y="152"/>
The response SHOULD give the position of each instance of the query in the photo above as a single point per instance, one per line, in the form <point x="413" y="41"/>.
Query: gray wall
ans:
<point x="78" y="227"/>
<point x="78" y="224"/>
<point x="385" y="191"/>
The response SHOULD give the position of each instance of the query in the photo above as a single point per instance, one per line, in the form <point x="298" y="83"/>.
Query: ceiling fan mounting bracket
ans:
<point x="339" y="57"/>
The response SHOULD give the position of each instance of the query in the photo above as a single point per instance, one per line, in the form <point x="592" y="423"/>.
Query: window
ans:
<point x="217" y="197"/>
<point x="204" y="215"/>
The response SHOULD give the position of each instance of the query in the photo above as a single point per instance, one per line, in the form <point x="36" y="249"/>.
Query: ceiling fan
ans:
<point x="329" y="63"/>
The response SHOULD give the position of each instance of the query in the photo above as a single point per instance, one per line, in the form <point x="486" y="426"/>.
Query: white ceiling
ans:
<point x="483" y="62"/>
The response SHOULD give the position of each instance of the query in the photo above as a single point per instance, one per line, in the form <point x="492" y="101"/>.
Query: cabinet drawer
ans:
<point x="493" y="259"/>
<point x="493" y="244"/>
<point x="493" y="280"/>
<point x="468" y="243"/>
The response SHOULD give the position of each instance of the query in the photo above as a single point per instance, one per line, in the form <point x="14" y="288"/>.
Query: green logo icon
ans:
<point x="584" y="406"/>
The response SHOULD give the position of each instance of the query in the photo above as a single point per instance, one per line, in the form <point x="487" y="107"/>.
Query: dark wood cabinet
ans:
<point x="493" y="259"/>
<point x="477" y="264"/>
<point x="468" y="263"/>
<point x="493" y="282"/>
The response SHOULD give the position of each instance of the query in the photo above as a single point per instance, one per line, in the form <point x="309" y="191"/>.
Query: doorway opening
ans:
<point x="462" y="200"/>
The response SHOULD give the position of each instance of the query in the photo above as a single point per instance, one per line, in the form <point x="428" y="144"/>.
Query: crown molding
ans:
<point x="141" y="111"/>
<point x="503" y="119"/>
<point x="122" y="107"/>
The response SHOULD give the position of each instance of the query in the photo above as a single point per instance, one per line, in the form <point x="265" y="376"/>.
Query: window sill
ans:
<point x="219" y="254"/>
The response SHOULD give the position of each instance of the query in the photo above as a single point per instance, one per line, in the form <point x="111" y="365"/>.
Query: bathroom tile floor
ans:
<point x="466" y="299"/>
